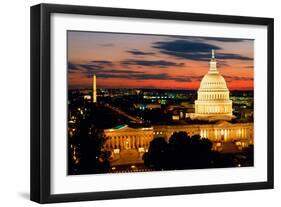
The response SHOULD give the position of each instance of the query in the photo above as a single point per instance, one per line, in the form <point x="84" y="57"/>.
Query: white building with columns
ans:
<point x="135" y="141"/>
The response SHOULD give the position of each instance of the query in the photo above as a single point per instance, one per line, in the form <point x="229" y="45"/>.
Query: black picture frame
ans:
<point x="40" y="102"/>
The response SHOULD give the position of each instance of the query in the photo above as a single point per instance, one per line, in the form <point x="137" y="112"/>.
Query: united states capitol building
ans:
<point x="213" y="104"/>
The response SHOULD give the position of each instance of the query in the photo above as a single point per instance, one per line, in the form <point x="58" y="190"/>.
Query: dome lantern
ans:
<point x="213" y="63"/>
<point x="213" y="54"/>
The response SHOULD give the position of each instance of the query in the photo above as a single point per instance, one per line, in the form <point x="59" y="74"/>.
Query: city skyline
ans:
<point x="154" y="61"/>
<point x="132" y="130"/>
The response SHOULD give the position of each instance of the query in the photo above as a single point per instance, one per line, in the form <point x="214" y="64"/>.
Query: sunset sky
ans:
<point x="154" y="61"/>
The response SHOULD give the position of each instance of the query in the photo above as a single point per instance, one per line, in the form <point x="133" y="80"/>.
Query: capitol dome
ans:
<point x="213" y="96"/>
<point x="213" y="81"/>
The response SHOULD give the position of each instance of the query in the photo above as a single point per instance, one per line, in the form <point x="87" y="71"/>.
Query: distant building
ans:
<point x="87" y="97"/>
<point x="154" y="106"/>
<point x="149" y="106"/>
<point x="176" y="117"/>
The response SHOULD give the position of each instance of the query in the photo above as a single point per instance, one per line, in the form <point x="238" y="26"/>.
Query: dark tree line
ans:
<point x="185" y="152"/>
<point x="90" y="156"/>
<point x="181" y="152"/>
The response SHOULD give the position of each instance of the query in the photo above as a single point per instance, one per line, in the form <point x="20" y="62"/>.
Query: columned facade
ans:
<point x="138" y="140"/>
<point x="129" y="138"/>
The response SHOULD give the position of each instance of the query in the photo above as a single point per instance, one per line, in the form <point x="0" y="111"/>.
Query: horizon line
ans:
<point x="239" y="89"/>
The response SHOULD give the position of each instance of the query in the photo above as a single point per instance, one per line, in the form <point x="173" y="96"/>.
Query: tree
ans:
<point x="89" y="141"/>
<point x="182" y="152"/>
<point x="249" y="153"/>
<point x="179" y="150"/>
<point x="190" y="152"/>
<point x="157" y="154"/>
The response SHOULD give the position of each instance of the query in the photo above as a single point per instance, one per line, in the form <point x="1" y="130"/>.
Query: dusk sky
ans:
<point x="154" y="61"/>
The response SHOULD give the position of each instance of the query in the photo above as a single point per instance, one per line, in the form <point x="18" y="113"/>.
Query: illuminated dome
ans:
<point x="213" y="96"/>
<point x="213" y="81"/>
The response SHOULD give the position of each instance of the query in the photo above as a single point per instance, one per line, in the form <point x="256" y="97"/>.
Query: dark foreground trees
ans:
<point x="181" y="152"/>
<point x="184" y="152"/>
<point x="86" y="154"/>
